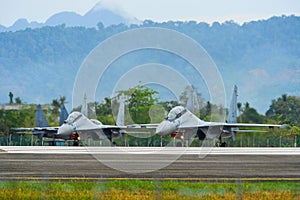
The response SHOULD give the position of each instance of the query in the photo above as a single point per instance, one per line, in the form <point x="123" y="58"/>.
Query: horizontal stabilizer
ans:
<point x="250" y="131"/>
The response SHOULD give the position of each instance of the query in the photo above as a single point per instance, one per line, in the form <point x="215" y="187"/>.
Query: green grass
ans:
<point x="138" y="189"/>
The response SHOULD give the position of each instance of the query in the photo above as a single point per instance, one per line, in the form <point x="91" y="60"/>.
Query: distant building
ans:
<point x="20" y="106"/>
<point x="11" y="106"/>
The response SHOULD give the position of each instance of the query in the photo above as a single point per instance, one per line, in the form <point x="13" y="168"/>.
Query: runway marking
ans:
<point x="150" y="150"/>
<point x="75" y="163"/>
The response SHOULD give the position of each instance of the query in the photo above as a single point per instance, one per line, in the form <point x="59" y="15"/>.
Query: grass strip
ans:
<point x="139" y="189"/>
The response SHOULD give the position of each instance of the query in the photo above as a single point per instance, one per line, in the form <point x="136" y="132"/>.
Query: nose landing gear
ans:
<point x="75" y="137"/>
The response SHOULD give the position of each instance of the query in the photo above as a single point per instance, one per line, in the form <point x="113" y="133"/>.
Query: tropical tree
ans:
<point x="140" y="100"/>
<point x="18" y="100"/>
<point x="62" y="100"/>
<point x="285" y="110"/>
<point x="11" y="96"/>
<point x="104" y="111"/>
<point x="250" y="115"/>
<point x="55" y="107"/>
<point x="104" y="108"/>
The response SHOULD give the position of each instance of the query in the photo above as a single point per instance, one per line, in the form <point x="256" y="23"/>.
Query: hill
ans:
<point x="261" y="57"/>
<point x="101" y="12"/>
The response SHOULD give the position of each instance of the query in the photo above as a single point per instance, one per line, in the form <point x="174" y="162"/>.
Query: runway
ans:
<point x="102" y="163"/>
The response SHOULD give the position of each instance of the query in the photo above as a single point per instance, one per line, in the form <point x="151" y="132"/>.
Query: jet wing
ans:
<point x="240" y="125"/>
<point x="230" y="125"/>
<point x="213" y="130"/>
<point x="22" y="129"/>
<point x="48" y="132"/>
<point x="98" y="133"/>
<point x="110" y="131"/>
<point x="37" y="129"/>
<point x="100" y="128"/>
<point x="104" y="132"/>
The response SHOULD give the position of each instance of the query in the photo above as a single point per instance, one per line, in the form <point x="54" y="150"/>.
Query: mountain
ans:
<point x="108" y="16"/>
<point x="67" y="18"/>
<point x="99" y="13"/>
<point x="261" y="57"/>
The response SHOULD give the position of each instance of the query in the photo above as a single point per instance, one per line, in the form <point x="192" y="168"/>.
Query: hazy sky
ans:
<point x="156" y="10"/>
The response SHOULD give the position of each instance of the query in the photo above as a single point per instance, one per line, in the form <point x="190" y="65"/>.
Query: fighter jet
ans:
<point x="78" y="123"/>
<point x="181" y="120"/>
<point x="42" y="128"/>
<point x="88" y="128"/>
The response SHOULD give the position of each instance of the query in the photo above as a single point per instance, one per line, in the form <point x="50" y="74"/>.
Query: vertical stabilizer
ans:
<point x="192" y="100"/>
<point x="232" y="115"/>
<point x="40" y="119"/>
<point x="121" y="112"/>
<point x="84" y="109"/>
<point x="63" y="114"/>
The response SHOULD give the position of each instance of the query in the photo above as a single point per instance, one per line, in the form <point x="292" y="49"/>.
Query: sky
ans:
<point x="156" y="10"/>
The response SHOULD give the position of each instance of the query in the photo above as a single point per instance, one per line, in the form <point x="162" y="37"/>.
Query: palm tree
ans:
<point x="56" y="106"/>
<point x="62" y="100"/>
<point x="11" y="96"/>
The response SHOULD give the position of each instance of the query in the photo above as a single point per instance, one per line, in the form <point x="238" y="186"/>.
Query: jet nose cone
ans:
<point x="165" y="127"/>
<point x="65" y="129"/>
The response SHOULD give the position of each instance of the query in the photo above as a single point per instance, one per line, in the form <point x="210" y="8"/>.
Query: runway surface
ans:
<point x="102" y="163"/>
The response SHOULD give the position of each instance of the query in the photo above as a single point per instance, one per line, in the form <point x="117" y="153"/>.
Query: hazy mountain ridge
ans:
<point x="99" y="13"/>
<point x="261" y="57"/>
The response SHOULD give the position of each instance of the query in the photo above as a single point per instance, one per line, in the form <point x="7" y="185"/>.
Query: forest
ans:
<point x="261" y="57"/>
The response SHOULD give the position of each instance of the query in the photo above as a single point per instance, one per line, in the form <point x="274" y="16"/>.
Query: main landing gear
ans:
<point x="220" y="143"/>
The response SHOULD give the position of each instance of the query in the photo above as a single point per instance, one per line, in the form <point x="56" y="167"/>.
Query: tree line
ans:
<point x="142" y="106"/>
<point x="140" y="99"/>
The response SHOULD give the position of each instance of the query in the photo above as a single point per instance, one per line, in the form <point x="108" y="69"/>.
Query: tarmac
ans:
<point x="149" y="163"/>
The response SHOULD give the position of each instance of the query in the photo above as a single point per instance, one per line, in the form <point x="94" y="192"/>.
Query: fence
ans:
<point x="241" y="141"/>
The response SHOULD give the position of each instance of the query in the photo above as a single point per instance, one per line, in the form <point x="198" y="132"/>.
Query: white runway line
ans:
<point x="149" y="150"/>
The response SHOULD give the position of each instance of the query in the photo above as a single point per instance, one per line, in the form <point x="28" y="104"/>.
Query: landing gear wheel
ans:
<point x="75" y="143"/>
<point x="223" y="144"/>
